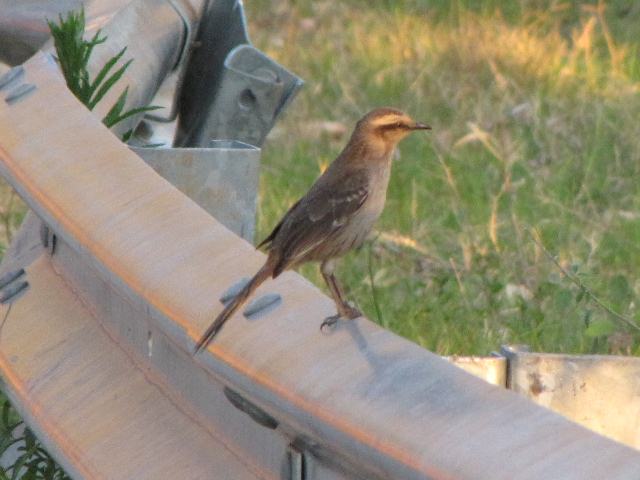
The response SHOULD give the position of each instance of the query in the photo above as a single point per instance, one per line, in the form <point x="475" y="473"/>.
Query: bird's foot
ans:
<point x="350" y="312"/>
<point x="347" y="312"/>
<point x="329" y="322"/>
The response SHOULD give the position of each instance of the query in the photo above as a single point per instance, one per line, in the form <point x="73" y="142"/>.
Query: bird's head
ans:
<point x="388" y="125"/>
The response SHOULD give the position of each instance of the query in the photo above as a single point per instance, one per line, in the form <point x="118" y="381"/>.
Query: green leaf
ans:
<point x="111" y="118"/>
<point x="17" y="466"/>
<point x="71" y="50"/>
<point x="620" y="291"/>
<point x="562" y="299"/>
<point x="6" y="406"/>
<point x="600" y="327"/>
<point x="135" y="111"/>
<point x="110" y="82"/>
<point x="73" y="53"/>
<point x="101" y="76"/>
<point x="89" y="46"/>
<point x="127" y="135"/>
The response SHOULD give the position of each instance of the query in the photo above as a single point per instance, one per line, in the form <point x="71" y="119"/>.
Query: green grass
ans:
<point x="32" y="461"/>
<point x="534" y="106"/>
<point x="535" y="151"/>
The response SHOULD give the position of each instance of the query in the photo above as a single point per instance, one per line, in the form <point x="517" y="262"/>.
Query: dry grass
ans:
<point x="518" y="220"/>
<point x="535" y="130"/>
<point x="12" y="211"/>
<point x="534" y="108"/>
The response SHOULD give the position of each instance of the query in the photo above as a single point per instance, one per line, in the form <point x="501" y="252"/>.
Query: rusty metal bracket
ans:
<point x="598" y="391"/>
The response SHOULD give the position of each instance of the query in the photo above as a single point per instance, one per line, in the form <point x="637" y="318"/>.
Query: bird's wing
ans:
<point x="318" y="216"/>
<point x="267" y="241"/>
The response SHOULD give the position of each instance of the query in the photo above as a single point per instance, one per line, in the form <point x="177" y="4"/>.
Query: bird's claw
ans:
<point x="329" y="322"/>
<point x="349" y="313"/>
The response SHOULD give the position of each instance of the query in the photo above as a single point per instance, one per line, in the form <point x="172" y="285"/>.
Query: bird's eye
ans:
<point x="398" y="124"/>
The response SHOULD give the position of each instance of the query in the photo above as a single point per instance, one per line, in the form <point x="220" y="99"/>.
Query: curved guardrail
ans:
<point x="96" y="351"/>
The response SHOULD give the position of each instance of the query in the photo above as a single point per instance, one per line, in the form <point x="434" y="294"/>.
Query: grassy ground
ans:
<point x="534" y="155"/>
<point x="535" y="149"/>
<point x="534" y="158"/>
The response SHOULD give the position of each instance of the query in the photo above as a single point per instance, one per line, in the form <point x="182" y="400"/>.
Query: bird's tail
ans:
<point x="233" y="305"/>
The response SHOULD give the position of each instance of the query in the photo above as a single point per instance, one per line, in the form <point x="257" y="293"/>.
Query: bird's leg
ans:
<point x="345" y="310"/>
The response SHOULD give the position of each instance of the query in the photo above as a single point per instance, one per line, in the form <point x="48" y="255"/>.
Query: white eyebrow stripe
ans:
<point x="386" y="120"/>
<point x="389" y="119"/>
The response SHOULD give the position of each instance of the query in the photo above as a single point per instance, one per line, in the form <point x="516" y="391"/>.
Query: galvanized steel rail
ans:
<point x="96" y="351"/>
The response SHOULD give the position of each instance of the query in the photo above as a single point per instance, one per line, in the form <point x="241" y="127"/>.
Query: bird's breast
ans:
<point x="362" y="222"/>
<point x="378" y="184"/>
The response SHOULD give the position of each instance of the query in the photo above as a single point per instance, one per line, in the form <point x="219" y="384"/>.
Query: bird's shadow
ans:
<point x="377" y="361"/>
<point x="390" y="372"/>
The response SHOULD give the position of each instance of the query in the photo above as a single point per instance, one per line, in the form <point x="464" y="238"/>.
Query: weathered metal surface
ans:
<point x="222" y="179"/>
<point x="492" y="370"/>
<point x="231" y="90"/>
<point x="117" y="309"/>
<point x="100" y="413"/>
<point x="252" y="92"/>
<point x="222" y="27"/>
<point x="23" y="28"/>
<point x="26" y="245"/>
<point x="154" y="32"/>
<point x="598" y="391"/>
<point x="150" y="265"/>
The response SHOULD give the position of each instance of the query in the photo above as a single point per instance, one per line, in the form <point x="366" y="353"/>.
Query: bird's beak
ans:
<point x="420" y="126"/>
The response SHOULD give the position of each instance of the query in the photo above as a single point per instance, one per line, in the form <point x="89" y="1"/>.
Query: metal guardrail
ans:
<point x="244" y="90"/>
<point x="95" y="352"/>
<point x="599" y="392"/>
<point x="222" y="81"/>
<point x="126" y="23"/>
<point x="227" y="89"/>
<point x="222" y="179"/>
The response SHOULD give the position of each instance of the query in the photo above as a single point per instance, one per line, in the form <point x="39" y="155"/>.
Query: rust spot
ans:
<point x="536" y="387"/>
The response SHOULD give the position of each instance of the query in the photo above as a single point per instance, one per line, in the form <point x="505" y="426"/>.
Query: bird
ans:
<point x="335" y="216"/>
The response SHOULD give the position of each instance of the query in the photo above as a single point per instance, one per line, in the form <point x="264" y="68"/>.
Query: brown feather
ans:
<point x="338" y="211"/>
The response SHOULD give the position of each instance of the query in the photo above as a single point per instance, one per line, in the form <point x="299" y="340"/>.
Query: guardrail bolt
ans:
<point x="48" y="238"/>
<point x="234" y="290"/>
<point x="297" y="463"/>
<point x="255" y="412"/>
<point x="11" y="286"/>
<point x="262" y="305"/>
<point x="11" y="77"/>
<point x="19" y="93"/>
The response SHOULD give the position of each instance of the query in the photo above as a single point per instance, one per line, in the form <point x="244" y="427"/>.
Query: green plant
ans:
<point x="32" y="461"/>
<point x="533" y="106"/>
<point x="73" y="54"/>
